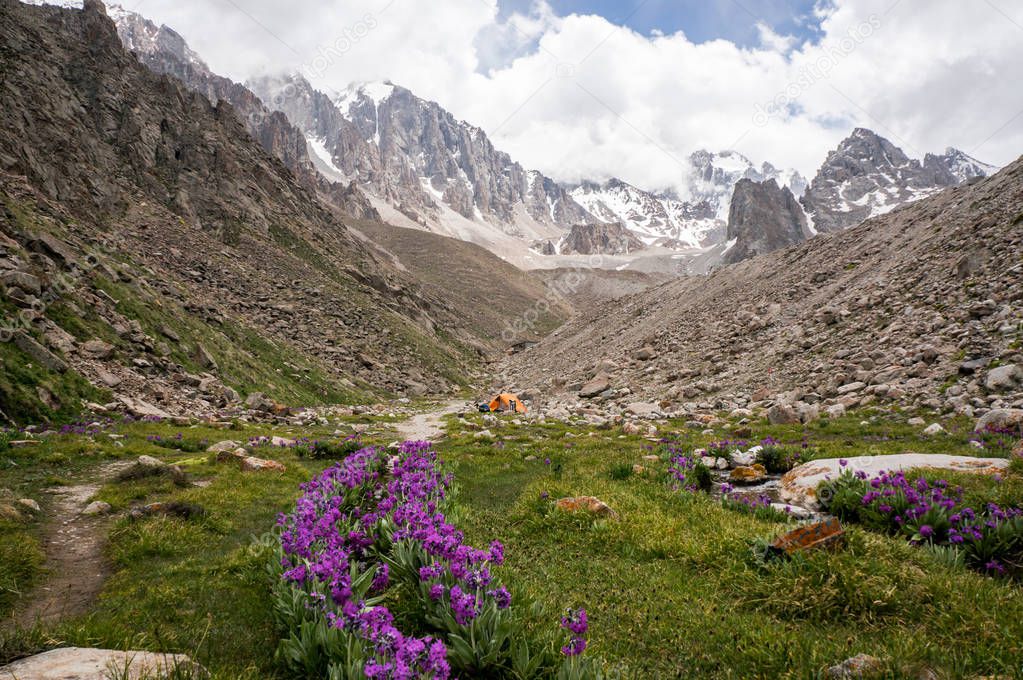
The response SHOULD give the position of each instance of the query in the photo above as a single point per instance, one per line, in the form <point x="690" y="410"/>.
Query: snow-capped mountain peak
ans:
<point x="713" y="176"/>
<point x="655" y="219"/>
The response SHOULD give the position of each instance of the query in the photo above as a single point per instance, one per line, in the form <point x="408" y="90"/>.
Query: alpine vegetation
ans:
<point x="368" y="549"/>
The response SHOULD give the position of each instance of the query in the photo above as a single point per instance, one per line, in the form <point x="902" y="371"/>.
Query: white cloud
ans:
<point x="577" y="96"/>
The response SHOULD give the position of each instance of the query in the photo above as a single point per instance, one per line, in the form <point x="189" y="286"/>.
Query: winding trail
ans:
<point x="428" y="426"/>
<point x="73" y="543"/>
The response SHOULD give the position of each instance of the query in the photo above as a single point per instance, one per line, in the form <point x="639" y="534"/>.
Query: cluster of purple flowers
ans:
<point x="997" y="439"/>
<point x="574" y="621"/>
<point x="685" y="471"/>
<point x="935" y="513"/>
<point x="725" y="446"/>
<point x="371" y="518"/>
<point x="88" y="429"/>
<point x="329" y="541"/>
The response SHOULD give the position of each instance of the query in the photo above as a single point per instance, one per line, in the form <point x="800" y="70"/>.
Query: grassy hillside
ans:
<point x="496" y="302"/>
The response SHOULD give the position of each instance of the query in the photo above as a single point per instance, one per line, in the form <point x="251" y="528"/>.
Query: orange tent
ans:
<point x="506" y="401"/>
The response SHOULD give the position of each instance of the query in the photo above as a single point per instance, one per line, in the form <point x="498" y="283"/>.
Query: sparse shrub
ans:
<point x="620" y="472"/>
<point x="689" y="473"/>
<point x="777" y="459"/>
<point x="179" y="443"/>
<point x="320" y="450"/>
<point x="139" y="472"/>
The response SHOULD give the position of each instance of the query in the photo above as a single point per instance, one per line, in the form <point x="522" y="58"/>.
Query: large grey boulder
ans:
<point x="782" y="414"/>
<point x="1000" y="419"/>
<point x="799" y="485"/>
<point x="595" y="386"/>
<point x="1003" y="378"/>
<point x="79" y="663"/>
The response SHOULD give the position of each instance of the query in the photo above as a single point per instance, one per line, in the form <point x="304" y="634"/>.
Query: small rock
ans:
<point x="1001" y="419"/>
<point x="149" y="461"/>
<point x="631" y="427"/>
<point x="851" y="387"/>
<point x="45" y="357"/>
<point x="226" y="445"/>
<point x="933" y="429"/>
<point x="589" y="504"/>
<point x="97" y="349"/>
<point x="782" y="414"/>
<point x="835" y="410"/>
<point x="643" y="409"/>
<point x="22" y="280"/>
<point x="483" y="434"/>
<point x="594" y="387"/>
<point x="108" y="378"/>
<point x="859" y="666"/>
<point x="751" y="474"/>
<point x="645" y="353"/>
<point x="1003" y="378"/>
<point x="29" y="504"/>
<point x="97" y="508"/>
<point x="232" y="454"/>
<point x="258" y="401"/>
<point x="792" y="510"/>
<point x="253" y="464"/>
<point x="743" y="458"/>
<point x="916" y="422"/>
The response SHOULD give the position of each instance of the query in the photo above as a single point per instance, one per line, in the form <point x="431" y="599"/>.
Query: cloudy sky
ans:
<point x="628" y="88"/>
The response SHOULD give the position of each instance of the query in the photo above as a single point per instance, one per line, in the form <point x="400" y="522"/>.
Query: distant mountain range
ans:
<point x="378" y="150"/>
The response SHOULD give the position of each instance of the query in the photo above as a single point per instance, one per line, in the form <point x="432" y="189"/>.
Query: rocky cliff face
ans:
<point x="609" y="238"/>
<point x="164" y="51"/>
<point x="867" y="175"/>
<point x="763" y="217"/>
<point x="417" y="156"/>
<point x="713" y="176"/>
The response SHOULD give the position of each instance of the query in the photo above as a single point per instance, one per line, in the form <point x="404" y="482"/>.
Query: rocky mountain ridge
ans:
<point x="421" y="167"/>
<point x="439" y="172"/>
<point x="922" y="305"/>
<point x="164" y="51"/>
<point x="867" y="175"/>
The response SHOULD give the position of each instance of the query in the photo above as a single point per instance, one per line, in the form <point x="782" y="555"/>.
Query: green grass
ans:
<point x="196" y="586"/>
<point x="673" y="587"/>
<point x="21" y="379"/>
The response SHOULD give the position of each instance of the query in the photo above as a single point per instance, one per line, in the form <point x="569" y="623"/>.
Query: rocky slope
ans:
<point x="610" y="238"/>
<point x="921" y="305"/>
<point x="763" y="217"/>
<point x="415" y="155"/>
<point x="165" y="51"/>
<point x="150" y="243"/>
<point x="867" y="175"/>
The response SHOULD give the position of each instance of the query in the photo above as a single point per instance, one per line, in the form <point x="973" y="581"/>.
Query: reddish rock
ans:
<point x="589" y="504"/>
